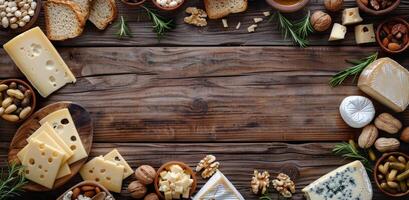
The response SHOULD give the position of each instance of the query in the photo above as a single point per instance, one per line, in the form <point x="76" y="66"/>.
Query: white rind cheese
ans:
<point x="388" y="82"/>
<point x="348" y="182"/>
<point x="357" y="111"/>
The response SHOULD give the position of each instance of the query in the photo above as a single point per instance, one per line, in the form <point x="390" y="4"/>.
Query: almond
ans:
<point x="394" y="46"/>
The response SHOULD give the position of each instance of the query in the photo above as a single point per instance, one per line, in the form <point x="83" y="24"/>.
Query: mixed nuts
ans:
<point x="393" y="174"/>
<point x="378" y="4"/>
<point x="87" y="192"/>
<point x="15" y="101"/>
<point x="394" y="35"/>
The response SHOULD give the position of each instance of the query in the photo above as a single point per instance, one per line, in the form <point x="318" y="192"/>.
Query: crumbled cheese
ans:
<point x="80" y="197"/>
<point x="267" y="13"/>
<point x="252" y="28"/>
<point x="258" y="19"/>
<point x="67" y="196"/>
<point x="238" y="26"/>
<point x="109" y="198"/>
<point x="225" y="25"/>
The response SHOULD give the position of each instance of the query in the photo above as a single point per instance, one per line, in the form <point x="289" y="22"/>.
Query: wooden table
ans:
<point x="253" y="100"/>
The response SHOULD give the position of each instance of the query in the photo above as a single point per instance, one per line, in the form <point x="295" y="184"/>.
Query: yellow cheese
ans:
<point x="64" y="170"/>
<point x="338" y="32"/>
<point x="364" y="34"/>
<point x="105" y="172"/>
<point x="42" y="163"/>
<point x="61" y="121"/>
<point x="351" y="16"/>
<point x="116" y="157"/>
<point x="39" y="61"/>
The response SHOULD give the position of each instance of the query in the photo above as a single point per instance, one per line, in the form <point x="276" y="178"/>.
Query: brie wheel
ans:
<point x="357" y="111"/>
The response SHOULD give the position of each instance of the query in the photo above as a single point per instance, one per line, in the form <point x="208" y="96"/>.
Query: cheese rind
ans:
<point x="357" y="111"/>
<point x="338" y="32"/>
<point x="364" y="34"/>
<point x="351" y="16"/>
<point x="388" y="82"/>
<point x="39" y="61"/>
<point x="116" y="157"/>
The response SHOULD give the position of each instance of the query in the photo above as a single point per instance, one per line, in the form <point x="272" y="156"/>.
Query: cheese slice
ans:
<point x="344" y="183"/>
<point x="64" y="170"/>
<point x="105" y="172"/>
<point x="61" y="121"/>
<point x="116" y="157"/>
<point x="364" y="34"/>
<point x="42" y="163"/>
<point x="39" y="61"/>
<point x="388" y="82"/>
<point x="218" y="187"/>
<point x="351" y="16"/>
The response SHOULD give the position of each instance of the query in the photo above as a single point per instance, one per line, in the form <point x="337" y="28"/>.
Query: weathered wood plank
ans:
<point x="213" y="34"/>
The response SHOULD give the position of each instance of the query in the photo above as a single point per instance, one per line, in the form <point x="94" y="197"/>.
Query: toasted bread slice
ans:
<point x="217" y="9"/>
<point x="84" y="7"/>
<point x="102" y="13"/>
<point x="62" y="20"/>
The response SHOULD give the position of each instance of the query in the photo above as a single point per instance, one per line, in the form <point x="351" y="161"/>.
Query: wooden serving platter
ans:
<point x="83" y="123"/>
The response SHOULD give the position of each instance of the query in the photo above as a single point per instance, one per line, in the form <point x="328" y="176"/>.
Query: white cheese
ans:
<point x="388" y="82"/>
<point x="252" y="28"/>
<point x="351" y="16"/>
<point x="257" y="19"/>
<point x="344" y="183"/>
<point x="116" y="157"/>
<point x="364" y="34"/>
<point x="225" y="25"/>
<point x="357" y="111"/>
<point x="338" y="32"/>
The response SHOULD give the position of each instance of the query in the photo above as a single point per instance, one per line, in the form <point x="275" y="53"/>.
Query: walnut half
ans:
<point x="197" y="17"/>
<point x="208" y="165"/>
<point x="284" y="185"/>
<point x="260" y="182"/>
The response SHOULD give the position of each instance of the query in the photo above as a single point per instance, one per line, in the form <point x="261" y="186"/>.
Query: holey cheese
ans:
<point x="348" y="182"/>
<point x="388" y="82"/>
<point x="39" y="61"/>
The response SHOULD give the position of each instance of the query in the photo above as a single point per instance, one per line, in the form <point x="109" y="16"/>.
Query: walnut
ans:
<point x="145" y="174"/>
<point x="197" y="17"/>
<point x="320" y="21"/>
<point x="334" y="5"/>
<point x="260" y="182"/>
<point x="284" y="185"/>
<point x="137" y="189"/>
<point x="208" y="165"/>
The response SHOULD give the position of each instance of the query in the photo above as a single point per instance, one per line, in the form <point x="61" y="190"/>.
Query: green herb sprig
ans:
<point x="123" y="29"/>
<point x="11" y="182"/>
<point x="349" y="150"/>
<point x="359" y="66"/>
<point x="160" y="25"/>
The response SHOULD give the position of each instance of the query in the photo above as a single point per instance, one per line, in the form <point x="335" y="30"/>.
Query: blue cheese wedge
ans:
<point x="348" y="182"/>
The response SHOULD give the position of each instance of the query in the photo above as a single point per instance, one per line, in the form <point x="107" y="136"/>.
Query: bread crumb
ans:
<point x="257" y="19"/>
<point x="252" y="28"/>
<point x="238" y="26"/>
<point x="225" y="25"/>
<point x="267" y="13"/>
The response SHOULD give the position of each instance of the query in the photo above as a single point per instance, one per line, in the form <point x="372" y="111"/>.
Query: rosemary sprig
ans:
<point x="266" y="196"/>
<point x="304" y="27"/>
<point x="355" y="70"/>
<point x="160" y="25"/>
<point x="349" y="150"/>
<point x="123" y="30"/>
<point x="11" y="182"/>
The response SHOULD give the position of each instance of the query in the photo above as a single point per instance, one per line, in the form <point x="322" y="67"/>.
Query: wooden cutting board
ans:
<point x="83" y="123"/>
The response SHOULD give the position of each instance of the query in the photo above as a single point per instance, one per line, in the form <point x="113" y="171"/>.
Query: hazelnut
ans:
<point x="145" y="174"/>
<point x="405" y="135"/>
<point x="151" y="196"/>
<point x="334" y="5"/>
<point x="137" y="189"/>
<point x="320" y="21"/>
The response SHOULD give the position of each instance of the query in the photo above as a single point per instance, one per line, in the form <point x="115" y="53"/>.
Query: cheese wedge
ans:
<point x="116" y="157"/>
<point x="61" y="121"/>
<point x="39" y="61"/>
<point x="64" y="170"/>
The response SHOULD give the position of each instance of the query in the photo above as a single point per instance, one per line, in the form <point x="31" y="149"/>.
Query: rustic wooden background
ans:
<point x="253" y="100"/>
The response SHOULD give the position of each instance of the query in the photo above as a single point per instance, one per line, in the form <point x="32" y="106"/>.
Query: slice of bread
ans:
<point x="102" y="13"/>
<point x="217" y="9"/>
<point x="62" y="20"/>
<point x="84" y="6"/>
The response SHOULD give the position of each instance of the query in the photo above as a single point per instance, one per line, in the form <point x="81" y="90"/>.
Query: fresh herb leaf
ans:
<point x="160" y="25"/>
<point x="349" y="150"/>
<point x="355" y="70"/>
<point x="304" y="27"/>
<point x="123" y="30"/>
<point x="11" y="182"/>
<point x="265" y="196"/>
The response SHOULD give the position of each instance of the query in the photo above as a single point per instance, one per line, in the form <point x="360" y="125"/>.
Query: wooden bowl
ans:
<point x="32" y="21"/>
<point x="379" y="39"/>
<point x="85" y="183"/>
<point x="167" y="8"/>
<point x="375" y="173"/>
<point x="288" y="8"/>
<point x="133" y="4"/>
<point x="33" y="97"/>
<point x="371" y="11"/>
<point x="185" y="167"/>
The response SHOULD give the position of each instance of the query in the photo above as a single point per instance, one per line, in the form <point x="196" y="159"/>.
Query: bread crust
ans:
<point x="113" y="16"/>
<point x="217" y="15"/>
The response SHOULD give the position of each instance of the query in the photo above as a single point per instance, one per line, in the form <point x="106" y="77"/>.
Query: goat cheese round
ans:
<point x="357" y="111"/>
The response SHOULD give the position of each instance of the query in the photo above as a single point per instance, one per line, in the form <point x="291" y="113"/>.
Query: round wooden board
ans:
<point x="83" y="123"/>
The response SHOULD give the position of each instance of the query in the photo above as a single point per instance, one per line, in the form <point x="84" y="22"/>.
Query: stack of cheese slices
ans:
<point x="108" y="170"/>
<point x="51" y="149"/>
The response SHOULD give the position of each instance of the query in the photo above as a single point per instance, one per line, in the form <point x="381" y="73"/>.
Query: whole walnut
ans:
<point x="151" y="196"/>
<point x="334" y="5"/>
<point x="320" y="21"/>
<point x="145" y="174"/>
<point x="137" y="189"/>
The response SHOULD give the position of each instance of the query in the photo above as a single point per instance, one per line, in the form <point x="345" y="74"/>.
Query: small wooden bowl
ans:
<point x="167" y="8"/>
<point x="185" y="167"/>
<point x="33" y="97"/>
<point x="371" y="11"/>
<point x="375" y="173"/>
<point x="90" y="183"/>
<point x="133" y="4"/>
<point x="32" y="21"/>
<point x="379" y="39"/>
<point x="288" y="8"/>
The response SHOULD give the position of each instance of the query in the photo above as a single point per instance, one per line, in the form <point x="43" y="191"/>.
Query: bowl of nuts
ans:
<point x="168" y="5"/>
<point x="19" y="15"/>
<point x="391" y="174"/>
<point x="378" y="7"/>
<point x="17" y="99"/>
<point x="133" y="3"/>
<point x="393" y="35"/>
<point x="87" y="190"/>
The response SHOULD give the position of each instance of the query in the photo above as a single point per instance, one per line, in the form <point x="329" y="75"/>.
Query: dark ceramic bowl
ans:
<point x="288" y="8"/>
<point x="135" y="4"/>
<point x="371" y="11"/>
<point x="167" y="8"/>
<point x="379" y="38"/>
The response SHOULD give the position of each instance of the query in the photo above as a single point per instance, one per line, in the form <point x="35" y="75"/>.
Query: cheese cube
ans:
<point x="364" y="34"/>
<point x="388" y="82"/>
<point x="351" y="16"/>
<point x="116" y="157"/>
<point x="163" y="174"/>
<point x="176" y="169"/>
<point x="179" y="189"/>
<point x="338" y="32"/>
<point x="42" y="163"/>
<point x="168" y="195"/>
<point x="176" y="195"/>
<point x="39" y="61"/>
<point x="186" y="193"/>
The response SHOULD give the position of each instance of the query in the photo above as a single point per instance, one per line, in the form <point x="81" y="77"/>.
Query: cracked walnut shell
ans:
<point x="260" y="182"/>
<point x="208" y="165"/>
<point x="197" y="17"/>
<point x="284" y="185"/>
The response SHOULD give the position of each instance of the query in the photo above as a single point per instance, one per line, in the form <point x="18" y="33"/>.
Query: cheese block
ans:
<point x="388" y="82"/>
<point x="364" y="34"/>
<point x="42" y="163"/>
<point x="105" y="172"/>
<point x="338" y="32"/>
<point x="116" y="157"/>
<point x="39" y="61"/>
<point x="218" y="187"/>
<point x="344" y="183"/>
<point x="351" y="16"/>
<point x="357" y="111"/>
<point x="61" y="121"/>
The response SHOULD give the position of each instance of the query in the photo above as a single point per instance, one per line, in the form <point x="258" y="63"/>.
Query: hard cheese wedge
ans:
<point x="39" y="61"/>
<point x="42" y="163"/>
<point x="116" y="157"/>
<point x="388" y="82"/>
<point x="62" y="123"/>
<point x="105" y="172"/>
<point x="218" y="187"/>
<point x="345" y="183"/>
